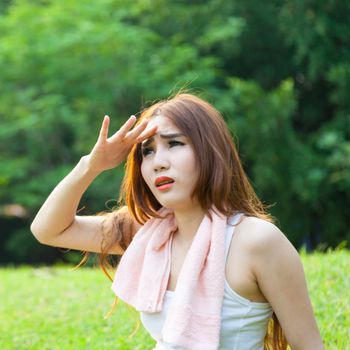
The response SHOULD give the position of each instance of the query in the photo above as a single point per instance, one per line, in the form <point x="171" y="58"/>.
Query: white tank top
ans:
<point x="243" y="322"/>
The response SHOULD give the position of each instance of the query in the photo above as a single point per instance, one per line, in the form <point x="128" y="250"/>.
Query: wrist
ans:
<point x="85" y="166"/>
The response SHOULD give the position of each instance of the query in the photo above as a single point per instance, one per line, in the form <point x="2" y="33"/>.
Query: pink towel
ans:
<point x="194" y="318"/>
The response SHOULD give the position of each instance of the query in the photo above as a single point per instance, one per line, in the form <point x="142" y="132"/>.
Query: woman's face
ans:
<point x="169" y="165"/>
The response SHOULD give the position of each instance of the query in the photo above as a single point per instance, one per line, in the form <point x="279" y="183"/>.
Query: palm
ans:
<point x="110" y="152"/>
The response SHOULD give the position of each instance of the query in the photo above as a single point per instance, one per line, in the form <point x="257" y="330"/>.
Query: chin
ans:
<point x="177" y="205"/>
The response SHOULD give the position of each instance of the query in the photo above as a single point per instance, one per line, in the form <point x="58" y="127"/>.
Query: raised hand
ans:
<point x="109" y="152"/>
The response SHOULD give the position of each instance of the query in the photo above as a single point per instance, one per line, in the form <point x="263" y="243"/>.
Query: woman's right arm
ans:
<point x="56" y="223"/>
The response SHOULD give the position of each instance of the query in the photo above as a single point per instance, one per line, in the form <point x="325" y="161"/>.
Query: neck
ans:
<point x="188" y="222"/>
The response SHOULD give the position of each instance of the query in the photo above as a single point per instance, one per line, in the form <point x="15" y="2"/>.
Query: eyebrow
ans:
<point x="163" y="136"/>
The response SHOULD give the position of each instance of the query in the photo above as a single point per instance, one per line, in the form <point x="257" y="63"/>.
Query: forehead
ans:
<point x="164" y="124"/>
<point x="165" y="129"/>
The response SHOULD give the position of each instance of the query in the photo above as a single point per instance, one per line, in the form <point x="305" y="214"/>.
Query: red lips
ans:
<point x="162" y="180"/>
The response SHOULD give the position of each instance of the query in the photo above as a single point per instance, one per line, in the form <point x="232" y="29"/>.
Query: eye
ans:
<point x="175" y="143"/>
<point x="146" y="151"/>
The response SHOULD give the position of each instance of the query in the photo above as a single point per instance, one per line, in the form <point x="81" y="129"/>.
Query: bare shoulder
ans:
<point x="279" y="273"/>
<point x="260" y="235"/>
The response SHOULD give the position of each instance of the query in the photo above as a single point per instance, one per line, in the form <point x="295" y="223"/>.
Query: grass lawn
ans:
<point x="57" y="308"/>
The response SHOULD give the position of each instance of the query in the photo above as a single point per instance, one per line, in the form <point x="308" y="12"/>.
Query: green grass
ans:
<point x="328" y="278"/>
<point x="59" y="309"/>
<point x="56" y="308"/>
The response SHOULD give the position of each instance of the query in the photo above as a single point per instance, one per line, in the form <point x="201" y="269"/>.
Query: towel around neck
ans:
<point x="141" y="279"/>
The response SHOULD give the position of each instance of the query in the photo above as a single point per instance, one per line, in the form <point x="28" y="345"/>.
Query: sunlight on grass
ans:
<point x="59" y="309"/>
<point x="56" y="308"/>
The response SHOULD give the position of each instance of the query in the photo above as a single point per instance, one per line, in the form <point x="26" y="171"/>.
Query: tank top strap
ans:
<point x="230" y="228"/>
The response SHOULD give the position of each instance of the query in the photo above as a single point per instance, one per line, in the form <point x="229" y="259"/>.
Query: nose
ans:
<point x="160" y="161"/>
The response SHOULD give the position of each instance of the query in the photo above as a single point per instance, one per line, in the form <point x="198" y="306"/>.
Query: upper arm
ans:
<point x="280" y="276"/>
<point x="87" y="233"/>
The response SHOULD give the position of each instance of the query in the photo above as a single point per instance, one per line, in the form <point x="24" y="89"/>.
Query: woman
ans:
<point x="202" y="260"/>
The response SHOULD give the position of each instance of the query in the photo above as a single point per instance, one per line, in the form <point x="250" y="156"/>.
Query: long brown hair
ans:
<point x="222" y="181"/>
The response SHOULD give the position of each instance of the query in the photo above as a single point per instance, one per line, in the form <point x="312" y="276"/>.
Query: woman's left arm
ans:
<point x="280" y="276"/>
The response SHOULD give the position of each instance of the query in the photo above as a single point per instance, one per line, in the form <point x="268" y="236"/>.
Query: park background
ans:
<point x="278" y="71"/>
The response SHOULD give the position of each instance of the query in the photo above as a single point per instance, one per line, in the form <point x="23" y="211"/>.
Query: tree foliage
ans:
<point x="279" y="72"/>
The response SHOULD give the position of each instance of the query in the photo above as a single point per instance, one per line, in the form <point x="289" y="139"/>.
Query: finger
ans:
<point x="124" y="132"/>
<point x="104" y="129"/>
<point x="147" y="134"/>
<point x="137" y="130"/>
<point x="126" y="126"/>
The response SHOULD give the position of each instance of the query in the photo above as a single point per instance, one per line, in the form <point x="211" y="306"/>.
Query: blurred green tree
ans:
<point x="279" y="72"/>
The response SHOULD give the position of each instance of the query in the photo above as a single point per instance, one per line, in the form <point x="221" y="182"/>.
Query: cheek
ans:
<point x="191" y="167"/>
